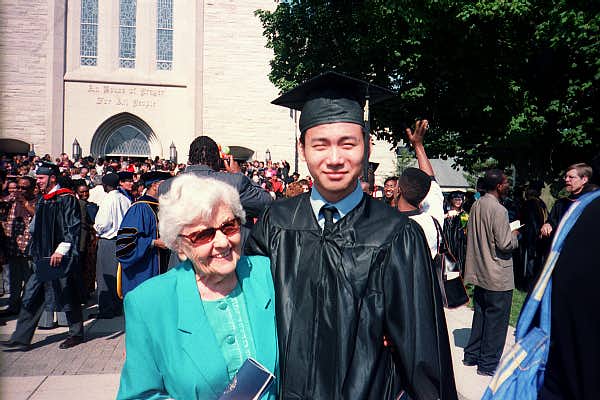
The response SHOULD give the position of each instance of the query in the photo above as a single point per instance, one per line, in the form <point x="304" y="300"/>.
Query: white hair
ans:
<point x="191" y="197"/>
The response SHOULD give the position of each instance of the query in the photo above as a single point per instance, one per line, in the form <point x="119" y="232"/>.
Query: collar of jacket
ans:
<point x="58" y="192"/>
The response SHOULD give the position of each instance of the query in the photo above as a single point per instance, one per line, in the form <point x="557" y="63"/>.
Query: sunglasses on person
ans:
<point x="228" y="228"/>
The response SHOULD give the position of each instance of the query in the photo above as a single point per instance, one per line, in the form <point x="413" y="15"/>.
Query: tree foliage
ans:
<point x="516" y="81"/>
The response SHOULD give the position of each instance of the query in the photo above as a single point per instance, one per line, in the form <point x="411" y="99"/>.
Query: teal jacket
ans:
<point x="171" y="349"/>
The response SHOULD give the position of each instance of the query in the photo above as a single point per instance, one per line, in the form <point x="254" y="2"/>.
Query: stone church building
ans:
<point x="133" y="77"/>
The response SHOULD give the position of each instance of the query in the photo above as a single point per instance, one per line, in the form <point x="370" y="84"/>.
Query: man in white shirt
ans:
<point x="107" y="222"/>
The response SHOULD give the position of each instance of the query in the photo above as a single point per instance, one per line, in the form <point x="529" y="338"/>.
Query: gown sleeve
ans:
<point x="253" y="198"/>
<point x="258" y="242"/>
<point x="140" y="377"/>
<point x="412" y="299"/>
<point x="71" y="223"/>
<point x="135" y="236"/>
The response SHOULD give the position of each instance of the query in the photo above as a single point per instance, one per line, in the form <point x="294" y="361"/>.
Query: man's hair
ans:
<point x="28" y="179"/>
<point x="204" y="150"/>
<point x="491" y="179"/>
<point x="390" y="178"/>
<point x="582" y="170"/>
<point x="414" y="185"/>
<point x="78" y="183"/>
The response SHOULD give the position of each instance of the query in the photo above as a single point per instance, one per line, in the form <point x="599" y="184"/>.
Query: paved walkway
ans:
<point x="91" y="370"/>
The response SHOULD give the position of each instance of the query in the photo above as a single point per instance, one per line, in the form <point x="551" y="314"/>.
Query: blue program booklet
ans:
<point x="250" y="383"/>
<point x="45" y="272"/>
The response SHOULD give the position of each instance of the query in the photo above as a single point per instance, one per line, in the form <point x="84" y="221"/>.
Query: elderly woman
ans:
<point x="189" y="331"/>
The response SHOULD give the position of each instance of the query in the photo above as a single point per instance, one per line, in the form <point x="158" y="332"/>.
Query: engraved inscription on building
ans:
<point x="130" y="97"/>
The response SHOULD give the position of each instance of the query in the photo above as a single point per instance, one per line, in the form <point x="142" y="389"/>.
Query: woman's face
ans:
<point x="457" y="202"/>
<point x="219" y="256"/>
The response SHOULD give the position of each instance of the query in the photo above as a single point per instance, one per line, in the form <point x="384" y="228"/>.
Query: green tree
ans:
<point x="516" y="81"/>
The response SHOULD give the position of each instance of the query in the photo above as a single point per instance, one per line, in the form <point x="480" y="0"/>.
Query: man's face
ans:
<point x="43" y="182"/>
<point x="504" y="187"/>
<point x="333" y="155"/>
<point x="573" y="182"/>
<point x="83" y="192"/>
<point x="127" y="184"/>
<point x="83" y="173"/>
<point x="26" y="188"/>
<point x="389" y="188"/>
<point x="12" y="187"/>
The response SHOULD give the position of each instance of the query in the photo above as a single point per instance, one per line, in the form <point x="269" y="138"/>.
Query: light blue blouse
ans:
<point x="229" y="320"/>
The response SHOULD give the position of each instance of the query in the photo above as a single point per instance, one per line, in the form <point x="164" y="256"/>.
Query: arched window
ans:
<point x="125" y="134"/>
<point x="127" y="9"/>
<point x="127" y="140"/>
<point x="164" y="35"/>
<point x="88" y="48"/>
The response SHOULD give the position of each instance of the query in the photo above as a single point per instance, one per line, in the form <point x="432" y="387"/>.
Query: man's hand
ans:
<point x="55" y="259"/>
<point x="231" y="165"/>
<point x="159" y="243"/>
<point x="416" y="137"/>
<point x="546" y="230"/>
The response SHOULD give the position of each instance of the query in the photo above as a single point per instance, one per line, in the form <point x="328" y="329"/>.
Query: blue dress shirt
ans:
<point x="343" y="207"/>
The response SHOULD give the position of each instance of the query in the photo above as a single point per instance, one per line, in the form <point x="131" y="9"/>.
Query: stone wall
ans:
<point x="25" y="37"/>
<point x="236" y="88"/>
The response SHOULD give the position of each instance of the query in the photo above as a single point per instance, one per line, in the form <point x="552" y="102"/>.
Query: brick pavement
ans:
<point x="102" y="353"/>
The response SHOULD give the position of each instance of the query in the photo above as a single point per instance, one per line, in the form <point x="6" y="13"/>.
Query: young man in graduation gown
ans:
<point x="140" y="251"/>
<point x="55" y="237"/>
<point x="349" y="270"/>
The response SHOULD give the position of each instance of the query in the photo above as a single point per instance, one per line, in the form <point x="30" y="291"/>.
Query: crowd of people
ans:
<point x="336" y="292"/>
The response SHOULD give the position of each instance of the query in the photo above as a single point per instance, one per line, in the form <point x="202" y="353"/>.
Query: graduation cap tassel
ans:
<point x="367" y="140"/>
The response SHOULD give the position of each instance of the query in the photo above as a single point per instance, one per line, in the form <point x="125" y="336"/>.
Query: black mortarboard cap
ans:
<point x="111" y="179"/>
<point x="154" y="176"/>
<point x="125" y="176"/>
<point x="332" y="97"/>
<point x="46" y="168"/>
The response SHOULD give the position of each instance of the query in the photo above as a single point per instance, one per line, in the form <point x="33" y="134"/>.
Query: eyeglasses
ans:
<point x="24" y="187"/>
<point x="229" y="228"/>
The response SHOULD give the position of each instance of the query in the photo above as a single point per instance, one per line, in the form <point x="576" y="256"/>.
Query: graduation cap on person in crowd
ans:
<point x="154" y="176"/>
<point x="333" y="97"/>
<point x="46" y="168"/>
<point x="125" y="176"/>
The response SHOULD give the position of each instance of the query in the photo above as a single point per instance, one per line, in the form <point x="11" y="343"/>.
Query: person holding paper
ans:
<point x="188" y="331"/>
<point x="489" y="266"/>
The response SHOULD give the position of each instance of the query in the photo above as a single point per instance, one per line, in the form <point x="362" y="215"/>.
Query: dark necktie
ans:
<point x="328" y="213"/>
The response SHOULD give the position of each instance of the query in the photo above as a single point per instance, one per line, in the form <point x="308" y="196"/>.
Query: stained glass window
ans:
<point x="127" y="9"/>
<point x="164" y="35"/>
<point x="129" y="141"/>
<point x="88" y="49"/>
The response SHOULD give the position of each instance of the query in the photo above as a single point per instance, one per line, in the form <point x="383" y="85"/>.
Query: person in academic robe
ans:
<point x="348" y="270"/>
<point x="54" y="243"/>
<point x="188" y="331"/>
<point x="140" y="250"/>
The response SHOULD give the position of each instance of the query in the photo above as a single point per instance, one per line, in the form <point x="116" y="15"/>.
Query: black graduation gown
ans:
<point x="57" y="219"/>
<point x="338" y="295"/>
